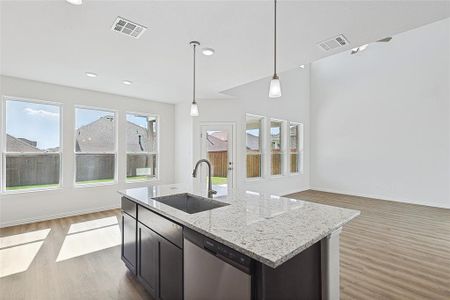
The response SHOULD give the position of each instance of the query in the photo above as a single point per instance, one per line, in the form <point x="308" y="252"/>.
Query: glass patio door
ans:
<point x="217" y="147"/>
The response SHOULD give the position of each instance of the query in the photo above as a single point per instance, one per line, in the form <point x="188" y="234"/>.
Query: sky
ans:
<point x="273" y="131"/>
<point x="85" y="116"/>
<point x="40" y="122"/>
<point x="35" y="122"/>
<point x="138" y="120"/>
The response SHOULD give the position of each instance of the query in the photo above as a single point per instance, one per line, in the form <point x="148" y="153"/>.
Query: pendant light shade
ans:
<point x="194" y="109"/>
<point x="275" y="86"/>
<point x="194" y="106"/>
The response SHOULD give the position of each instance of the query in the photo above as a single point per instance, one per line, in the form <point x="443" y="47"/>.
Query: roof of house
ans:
<point x="217" y="141"/>
<point x="216" y="144"/>
<point x="252" y="142"/>
<point x="14" y="144"/>
<point x="98" y="136"/>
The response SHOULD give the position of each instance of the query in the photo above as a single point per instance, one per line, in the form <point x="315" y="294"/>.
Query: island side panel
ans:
<point x="330" y="266"/>
<point x="298" y="278"/>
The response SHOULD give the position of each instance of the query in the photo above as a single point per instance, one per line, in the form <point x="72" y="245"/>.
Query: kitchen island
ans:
<point x="272" y="247"/>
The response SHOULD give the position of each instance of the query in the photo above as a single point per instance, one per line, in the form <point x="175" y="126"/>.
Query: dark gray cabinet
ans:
<point x="148" y="262"/>
<point x="159" y="265"/>
<point x="152" y="249"/>
<point x="129" y="225"/>
<point x="170" y="271"/>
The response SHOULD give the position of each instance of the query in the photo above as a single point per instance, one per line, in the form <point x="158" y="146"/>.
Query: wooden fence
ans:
<point x="36" y="169"/>
<point x="219" y="161"/>
<point x="253" y="165"/>
<point x="42" y="169"/>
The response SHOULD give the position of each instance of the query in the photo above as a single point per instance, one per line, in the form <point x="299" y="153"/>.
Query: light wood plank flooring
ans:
<point x="392" y="251"/>
<point x="71" y="263"/>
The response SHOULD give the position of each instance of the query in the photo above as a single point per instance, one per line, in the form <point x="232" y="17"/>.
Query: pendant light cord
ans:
<point x="193" y="96"/>
<point x="275" y="39"/>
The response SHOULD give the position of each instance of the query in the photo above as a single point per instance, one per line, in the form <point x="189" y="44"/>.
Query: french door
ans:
<point x="217" y="146"/>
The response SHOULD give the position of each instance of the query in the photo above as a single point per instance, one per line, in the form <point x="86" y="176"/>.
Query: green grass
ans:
<point x="219" y="180"/>
<point x="29" y="187"/>
<point x="96" y="181"/>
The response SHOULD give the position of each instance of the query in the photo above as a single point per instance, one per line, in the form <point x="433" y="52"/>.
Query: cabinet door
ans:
<point x="148" y="248"/>
<point x="129" y="241"/>
<point x="170" y="271"/>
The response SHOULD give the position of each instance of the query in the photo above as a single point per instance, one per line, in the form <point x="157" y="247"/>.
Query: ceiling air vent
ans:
<point x="333" y="43"/>
<point x="128" y="28"/>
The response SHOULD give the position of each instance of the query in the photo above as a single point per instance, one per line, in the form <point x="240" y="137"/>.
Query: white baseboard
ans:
<point x="377" y="197"/>
<point x="57" y="216"/>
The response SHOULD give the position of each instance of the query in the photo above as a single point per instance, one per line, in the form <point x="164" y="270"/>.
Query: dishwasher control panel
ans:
<point x="226" y="252"/>
<point x="219" y="250"/>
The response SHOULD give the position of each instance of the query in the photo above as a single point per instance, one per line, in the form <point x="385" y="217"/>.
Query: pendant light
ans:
<point x="194" y="106"/>
<point x="275" y="87"/>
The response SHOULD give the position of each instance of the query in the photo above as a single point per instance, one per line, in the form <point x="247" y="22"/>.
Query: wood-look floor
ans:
<point x="392" y="251"/>
<point x="96" y="275"/>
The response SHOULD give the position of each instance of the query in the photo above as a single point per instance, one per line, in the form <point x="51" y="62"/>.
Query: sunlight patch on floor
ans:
<point x="17" y="252"/>
<point x="94" y="224"/>
<point x="88" y="237"/>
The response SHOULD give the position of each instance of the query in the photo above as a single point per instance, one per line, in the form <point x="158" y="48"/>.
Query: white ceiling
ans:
<point x="56" y="42"/>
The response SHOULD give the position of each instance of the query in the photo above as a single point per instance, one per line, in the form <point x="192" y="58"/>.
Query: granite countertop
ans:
<point x="268" y="228"/>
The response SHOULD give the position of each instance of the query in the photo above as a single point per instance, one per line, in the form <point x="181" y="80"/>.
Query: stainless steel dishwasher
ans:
<point x="213" y="271"/>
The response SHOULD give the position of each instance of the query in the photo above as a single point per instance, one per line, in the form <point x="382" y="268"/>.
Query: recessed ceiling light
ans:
<point x="127" y="82"/>
<point x="302" y="66"/>
<point x="75" y="2"/>
<point x="363" y="47"/>
<point x="90" y="74"/>
<point x="359" y="49"/>
<point x="208" y="51"/>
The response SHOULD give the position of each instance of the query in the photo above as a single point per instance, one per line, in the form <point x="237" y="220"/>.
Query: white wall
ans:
<point x="26" y="207"/>
<point x="380" y="120"/>
<point x="183" y="143"/>
<point x="253" y="98"/>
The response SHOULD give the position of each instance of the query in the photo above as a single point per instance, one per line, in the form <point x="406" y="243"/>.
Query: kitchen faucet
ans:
<point x="211" y="192"/>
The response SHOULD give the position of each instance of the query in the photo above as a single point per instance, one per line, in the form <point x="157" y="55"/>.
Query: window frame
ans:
<point x="283" y="149"/>
<point x="299" y="151"/>
<point x="262" y="145"/>
<point x="157" y="153"/>
<point x="4" y="152"/>
<point x="116" y="147"/>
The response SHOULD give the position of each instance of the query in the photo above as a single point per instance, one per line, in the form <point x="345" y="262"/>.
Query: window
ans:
<point x="32" y="152"/>
<point x="276" y="147"/>
<point x="253" y="132"/>
<point x="295" y="147"/>
<point x="95" y="146"/>
<point x="142" y="147"/>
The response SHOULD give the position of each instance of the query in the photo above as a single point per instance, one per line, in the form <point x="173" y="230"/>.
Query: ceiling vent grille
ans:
<point x="333" y="43"/>
<point x="127" y="27"/>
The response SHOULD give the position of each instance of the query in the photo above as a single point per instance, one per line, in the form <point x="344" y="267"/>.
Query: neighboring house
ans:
<point x="253" y="142"/>
<point x="217" y="141"/>
<point x="21" y="145"/>
<point x="32" y="143"/>
<point x="216" y="144"/>
<point x="98" y="136"/>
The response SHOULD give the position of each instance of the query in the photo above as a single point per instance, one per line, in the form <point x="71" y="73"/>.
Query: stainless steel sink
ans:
<point x="190" y="203"/>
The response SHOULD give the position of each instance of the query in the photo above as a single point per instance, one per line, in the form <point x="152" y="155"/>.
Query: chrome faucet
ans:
<point x="211" y="192"/>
